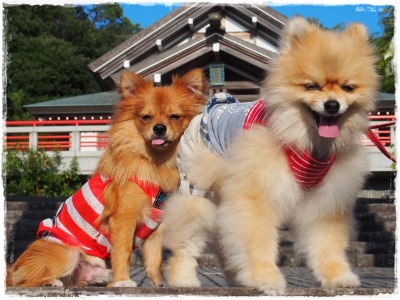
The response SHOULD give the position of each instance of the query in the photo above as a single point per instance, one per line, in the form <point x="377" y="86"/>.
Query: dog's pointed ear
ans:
<point x="294" y="31"/>
<point x="358" y="30"/>
<point x="194" y="80"/>
<point x="129" y="83"/>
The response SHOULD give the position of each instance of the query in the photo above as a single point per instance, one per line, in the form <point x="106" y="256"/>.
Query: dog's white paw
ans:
<point x="103" y="277"/>
<point x="348" y="279"/>
<point x="269" y="281"/>
<point x="271" y="290"/>
<point x="55" y="283"/>
<point x="123" y="283"/>
<point x="273" y="287"/>
<point x="184" y="281"/>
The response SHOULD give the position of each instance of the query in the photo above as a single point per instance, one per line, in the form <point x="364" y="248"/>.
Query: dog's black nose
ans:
<point x="159" y="129"/>
<point x="332" y="106"/>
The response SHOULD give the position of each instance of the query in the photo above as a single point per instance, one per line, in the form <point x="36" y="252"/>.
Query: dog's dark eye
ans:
<point x="146" y="117"/>
<point x="174" y="117"/>
<point x="347" y="88"/>
<point x="312" y="87"/>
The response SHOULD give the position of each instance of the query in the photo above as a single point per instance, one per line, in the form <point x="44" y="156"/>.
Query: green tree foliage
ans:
<point x="35" y="173"/>
<point x="385" y="50"/>
<point x="49" y="47"/>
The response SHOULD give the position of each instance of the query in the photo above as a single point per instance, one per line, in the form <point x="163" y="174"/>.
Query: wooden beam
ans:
<point x="216" y="51"/>
<point x="157" y="79"/>
<point x="169" y="65"/>
<point x="159" y="45"/>
<point x="238" y="85"/>
<point x="191" y="24"/>
<point x="241" y="72"/>
<point x="254" y="22"/>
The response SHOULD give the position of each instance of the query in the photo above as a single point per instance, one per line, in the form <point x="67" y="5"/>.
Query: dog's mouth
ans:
<point x="327" y="125"/>
<point x="159" y="142"/>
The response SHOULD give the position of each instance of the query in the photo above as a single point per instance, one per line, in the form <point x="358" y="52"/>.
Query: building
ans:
<point x="233" y="44"/>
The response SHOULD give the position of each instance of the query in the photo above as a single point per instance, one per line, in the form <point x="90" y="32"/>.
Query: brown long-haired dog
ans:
<point x="119" y="207"/>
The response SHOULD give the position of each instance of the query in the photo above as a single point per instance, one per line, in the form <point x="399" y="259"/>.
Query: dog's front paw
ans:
<point x="55" y="283"/>
<point x="183" y="280"/>
<point x="123" y="283"/>
<point x="348" y="279"/>
<point x="269" y="286"/>
<point x="269" y="281"/>
<point x="181" y="272"/>
<point x="156" y="281"/>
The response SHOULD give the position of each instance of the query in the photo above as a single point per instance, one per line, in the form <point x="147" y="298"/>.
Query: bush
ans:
<point x="35" y="173"/>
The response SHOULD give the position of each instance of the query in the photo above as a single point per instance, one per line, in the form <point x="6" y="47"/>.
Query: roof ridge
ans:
<point x="94" y="65"/>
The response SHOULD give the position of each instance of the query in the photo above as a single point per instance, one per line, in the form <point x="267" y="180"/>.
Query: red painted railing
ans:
<point x="35" y="123"/>
<point x="91" y="135"/>
<point x="63" y="135"/>
<point x="382" y="126"/>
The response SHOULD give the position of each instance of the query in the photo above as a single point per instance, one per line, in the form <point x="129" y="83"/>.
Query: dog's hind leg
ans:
<point x="43" y="263"/>
<point x="188" y="222"/>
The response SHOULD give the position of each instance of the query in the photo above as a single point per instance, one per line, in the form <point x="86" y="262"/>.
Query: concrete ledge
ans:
<point x="300" y="282"/>
<point x="220" y="291"/>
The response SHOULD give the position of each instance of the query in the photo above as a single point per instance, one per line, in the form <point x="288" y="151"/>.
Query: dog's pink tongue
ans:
<point x="157" y="142"/>
<point x="328" y="127"/>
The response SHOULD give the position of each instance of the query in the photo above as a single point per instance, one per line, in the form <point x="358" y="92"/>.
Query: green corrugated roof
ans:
<point x="104" y="98"/>
<point x="110" y="98"/>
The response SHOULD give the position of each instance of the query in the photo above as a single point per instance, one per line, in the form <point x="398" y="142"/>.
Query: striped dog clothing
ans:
<point x="223" y="117"/>
<point x="75" y="223"/>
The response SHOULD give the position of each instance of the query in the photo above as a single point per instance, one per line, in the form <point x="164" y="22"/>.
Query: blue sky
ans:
<point x="328" y="15"/>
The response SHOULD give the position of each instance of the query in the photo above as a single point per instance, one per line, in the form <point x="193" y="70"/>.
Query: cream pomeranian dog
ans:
<point x="292" y="158"/>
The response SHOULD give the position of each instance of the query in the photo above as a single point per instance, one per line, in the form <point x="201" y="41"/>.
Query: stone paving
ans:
<point x="374" y="281"/>
<point x="295" y="277"/>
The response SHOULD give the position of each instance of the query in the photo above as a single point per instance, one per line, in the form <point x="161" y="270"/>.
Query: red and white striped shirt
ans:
<point x="307" y="170"/>
<point x="75" y="223"/>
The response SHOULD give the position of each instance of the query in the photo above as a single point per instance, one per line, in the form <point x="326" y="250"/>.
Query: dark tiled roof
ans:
<point x="137" y="37"/>
<point x="159" y="57"/>
<point x="110" y="98"/>
<point x="252" y="46"/>
<point x="151" y="31"/>
<point x="97" y="99"/>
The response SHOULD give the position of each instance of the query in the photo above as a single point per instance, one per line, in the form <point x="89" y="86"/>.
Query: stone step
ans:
<point x="376" y="226"/>
<point x="367" y="200"/>
<point x="375" y="217"/>
<point x="30" y="214"/>
<point x="22" y="229"/>
<point x="375" y="244"/>
<point x="371" y="260"/>
<point x="372" y="247"/>
<point x="375" y="236"/>
<point x="33" y="205"/>
<point x="382" y="211"/>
